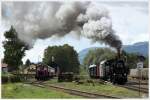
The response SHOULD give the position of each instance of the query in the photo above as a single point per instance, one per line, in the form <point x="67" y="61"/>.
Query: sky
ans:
<point x="129" y="20"/>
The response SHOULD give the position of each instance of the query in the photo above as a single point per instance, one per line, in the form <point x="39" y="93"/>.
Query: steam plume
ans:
<point x="33" y="20"/>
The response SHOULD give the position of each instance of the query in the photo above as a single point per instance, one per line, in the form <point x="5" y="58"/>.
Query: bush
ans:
<point x="10" y="78"/>
<point x="15" y="78"/>
<point x="4" y="79"/>
<point x="65" y="77"/>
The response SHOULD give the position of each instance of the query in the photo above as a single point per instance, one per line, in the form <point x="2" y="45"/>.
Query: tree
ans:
<point x="28" y="63"/>
<point x="65" y="57"/>
<point x="97" y="55"/>
<point x="146" y="62"/>
<point x="133" y="59"/>
<point x="72" y="57"/>
<point x="14" y="49"/>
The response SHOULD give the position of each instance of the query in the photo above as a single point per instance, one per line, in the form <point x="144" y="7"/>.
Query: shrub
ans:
<point x="4" y="79"/>
<point x="15" y="78"/>
<point x="10" y="78"/>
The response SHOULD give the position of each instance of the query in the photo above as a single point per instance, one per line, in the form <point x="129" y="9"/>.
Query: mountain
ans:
<point x="139" y="47"/>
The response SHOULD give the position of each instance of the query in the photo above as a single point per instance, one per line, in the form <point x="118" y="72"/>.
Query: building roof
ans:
<point x="102" y="62"/>
<point x="93" y="65"/>
<point x="4" y="65"/>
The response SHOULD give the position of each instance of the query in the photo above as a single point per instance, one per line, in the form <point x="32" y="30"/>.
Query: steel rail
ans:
<point x="134" y="88"/>
<point x="73" y="91"/>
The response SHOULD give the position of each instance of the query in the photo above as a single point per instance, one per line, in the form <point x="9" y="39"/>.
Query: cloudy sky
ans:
<point x="129" y="20"/>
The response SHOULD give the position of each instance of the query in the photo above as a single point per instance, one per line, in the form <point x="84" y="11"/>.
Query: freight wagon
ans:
<point x="134" y="73"/>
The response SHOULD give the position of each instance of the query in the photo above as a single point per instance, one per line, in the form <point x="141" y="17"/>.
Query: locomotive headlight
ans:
<point x="114" y="74"/>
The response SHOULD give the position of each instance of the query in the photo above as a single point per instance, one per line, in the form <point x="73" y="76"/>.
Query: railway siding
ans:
<point x="74" y="91"/>
<point x="98" y="88"/>
<point x="134" y="85"/>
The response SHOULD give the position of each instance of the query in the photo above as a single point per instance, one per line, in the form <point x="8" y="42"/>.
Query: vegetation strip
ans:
<point x="27" y="91"/>
<point x="73" y="91"/>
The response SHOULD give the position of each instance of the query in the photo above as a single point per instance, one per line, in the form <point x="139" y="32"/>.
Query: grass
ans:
<point x="20" y="90"/>
<point x="99" y="88"/>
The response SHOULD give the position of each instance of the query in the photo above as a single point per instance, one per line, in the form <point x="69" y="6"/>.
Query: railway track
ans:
<point x="72" y="91"/>
<point x="132" y="82"/>
<point x="134" y="88"/>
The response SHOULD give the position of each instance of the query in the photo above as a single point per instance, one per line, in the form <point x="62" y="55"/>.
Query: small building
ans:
<point x="4" y="66"/>
<point x="30" y="70"/>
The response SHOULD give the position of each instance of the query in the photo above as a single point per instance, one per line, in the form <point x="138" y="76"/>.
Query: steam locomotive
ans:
<point x="113" y="70"/>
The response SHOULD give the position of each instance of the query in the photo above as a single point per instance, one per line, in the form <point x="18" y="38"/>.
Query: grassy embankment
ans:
<point x="20" y="90"/>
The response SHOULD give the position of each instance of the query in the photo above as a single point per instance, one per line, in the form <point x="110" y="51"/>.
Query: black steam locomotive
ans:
<point x="112" y="70"/>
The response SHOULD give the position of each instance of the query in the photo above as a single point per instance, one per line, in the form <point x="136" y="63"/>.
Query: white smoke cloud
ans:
<point x="33" y="20"/>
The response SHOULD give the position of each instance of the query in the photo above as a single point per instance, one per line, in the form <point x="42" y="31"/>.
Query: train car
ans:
<point x="110" y="70"/>
<point x="44" y="72"/>
<point x="134" y="73"/>
<point x="93" y="71"/>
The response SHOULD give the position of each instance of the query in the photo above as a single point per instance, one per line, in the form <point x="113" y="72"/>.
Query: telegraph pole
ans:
<point x="139" y="67"/>
<point x="139" y="82"/>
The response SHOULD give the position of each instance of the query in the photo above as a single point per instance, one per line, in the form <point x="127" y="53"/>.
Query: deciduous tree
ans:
<point x="65" y="57"/>
<point x="14" y="49"/>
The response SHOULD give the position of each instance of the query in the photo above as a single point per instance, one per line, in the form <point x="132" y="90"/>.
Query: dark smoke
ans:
<point x="34" y="20"/>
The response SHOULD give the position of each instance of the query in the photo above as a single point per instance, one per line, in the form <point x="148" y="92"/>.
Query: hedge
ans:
<point x="10" y="78"/>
